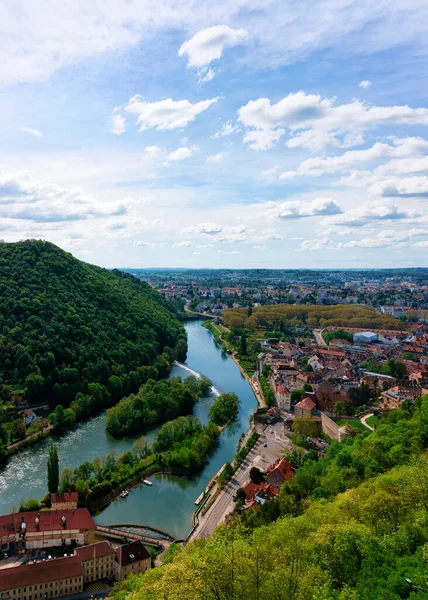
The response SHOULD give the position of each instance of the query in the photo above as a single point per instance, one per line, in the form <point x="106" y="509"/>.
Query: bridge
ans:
<point x="121" y="533"/>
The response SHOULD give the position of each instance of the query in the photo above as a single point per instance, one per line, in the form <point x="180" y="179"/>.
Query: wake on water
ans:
<point x="214" y="390"/>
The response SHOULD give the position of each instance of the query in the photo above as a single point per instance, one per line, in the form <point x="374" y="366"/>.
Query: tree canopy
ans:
<point x="65" y="325"/>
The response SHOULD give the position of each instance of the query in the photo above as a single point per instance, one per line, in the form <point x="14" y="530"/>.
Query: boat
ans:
<point x="147" y="482"/>
<point x="124" y="493"/>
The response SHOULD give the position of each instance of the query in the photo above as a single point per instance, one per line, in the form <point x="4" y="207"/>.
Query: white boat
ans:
<point x="124" y="493"/>
<point x="147" y="482"/>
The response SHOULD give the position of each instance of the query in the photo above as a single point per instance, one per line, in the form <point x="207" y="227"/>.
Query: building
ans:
<point x="98" y="561"/>
<point x="29" y="416"/>
<point x="46" y="529"/>
<point x="47" y="579"/>
<point x="283" y="396"/>
<point x="305" y="408"/>
<point x="131" y="558"/>
<point x="67" y="500"/>
<point x="279" y="472"/>
<point x="364" y="337"/>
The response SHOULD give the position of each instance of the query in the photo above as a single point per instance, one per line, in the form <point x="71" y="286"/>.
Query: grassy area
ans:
<point x="356" y="423"/>
<point x="373" y="421"/>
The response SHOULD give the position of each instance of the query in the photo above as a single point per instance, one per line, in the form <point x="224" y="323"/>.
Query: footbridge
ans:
<point x="130" y="532"/>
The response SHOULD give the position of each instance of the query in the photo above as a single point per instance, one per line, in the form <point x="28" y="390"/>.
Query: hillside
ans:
<point x="66" y="325"/>
<point x="350" y="526"/>
<point x="337" y="315"/>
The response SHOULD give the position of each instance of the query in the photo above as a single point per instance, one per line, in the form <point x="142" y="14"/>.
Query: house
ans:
<point x="29" y="416"/>
<point x="131" y="558"/>
<point x="279" y="472"/>
<point x="283" y="396"/>
<point x="305" y="408"/>
<point x="258" y="493"/>
<point x="325" y="397"/>
<point x="45" y="529"/>
<point x="98" y="561"/>
<point x="64" y="501"/>
<point x="47" y="579"/>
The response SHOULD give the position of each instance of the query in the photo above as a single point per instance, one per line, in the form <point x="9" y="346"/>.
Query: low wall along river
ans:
<point x="169" y="502"/>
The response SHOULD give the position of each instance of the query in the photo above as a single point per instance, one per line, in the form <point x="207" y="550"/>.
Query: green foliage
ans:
<point x="243" y="343"/>
<point x="31" y="505"/>
<point x="338" y="334"/>
<point x="53" y="469"/>
<point x="64" y="323"/>
<point x="304" y="426"/>
<point x="156" y="402"/>
<point x="296" y="395"/>
<point x="173" y="551"/>
<point x="256" y="475"/>
<point x="224" y="409"/>
<point x="339" y="315"/>
<point x="393" y="368"/>
<point x="267" y="391"/>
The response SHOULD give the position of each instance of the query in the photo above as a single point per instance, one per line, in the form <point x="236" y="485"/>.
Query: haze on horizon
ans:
<point x="234" y="135"/>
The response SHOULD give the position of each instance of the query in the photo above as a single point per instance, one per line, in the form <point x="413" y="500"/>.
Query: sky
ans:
<point x="244" y="134"/>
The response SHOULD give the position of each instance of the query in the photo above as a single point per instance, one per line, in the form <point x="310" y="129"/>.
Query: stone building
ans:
<point x="131" y="558"/>
<point x="98" y="561"/>
<point x="64" y="501"/>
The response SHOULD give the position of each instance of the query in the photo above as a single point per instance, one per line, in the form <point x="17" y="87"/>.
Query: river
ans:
<point x="169" y="502"/>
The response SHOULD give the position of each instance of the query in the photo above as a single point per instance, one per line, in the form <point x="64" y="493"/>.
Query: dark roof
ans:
<point x="100" y="549"/>
<point x="41" y="572"/>
<point x="123" y="553"/>
<point x="50" y="520"/>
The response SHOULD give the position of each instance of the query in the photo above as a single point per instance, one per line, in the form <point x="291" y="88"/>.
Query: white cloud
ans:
<point x="226" y="252"/>
<point x="206" y="75"/>
<point x="150" y="244"/>
<point x="196" y="253"/>
<point x="184" y="244"/>
<point x="205" y="246"/>
<point x="423" y="244"/>
<point x="203" y="228"/>
<point x="260" y="247"/>
<point x="216" y="157"/>
<point x="371" y="213"/>
<point x="227" y="129"/>
<point x="399" y="148"/>
<point x="166" y="114"/>
<point x="117" y="124"/>
<point x="270" y="234"/>
<point x="365" y="84"/>
<point x="315" y="122"/>
<point x="153" y="150"/>
<point x="182" y="153"/>
<point x="316" y="244"/>
<point x="32" y="131"/>
<point x="298" y="209"/>
<point x="208" y="44"/>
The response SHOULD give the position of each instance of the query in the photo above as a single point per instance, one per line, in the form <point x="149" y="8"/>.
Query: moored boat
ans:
<point x="147" y="482"/>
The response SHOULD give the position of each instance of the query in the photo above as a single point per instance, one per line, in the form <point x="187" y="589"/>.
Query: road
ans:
<point x="364" y="421"/>
<point x="318" y="337"/>
<point x="269" y="447"/>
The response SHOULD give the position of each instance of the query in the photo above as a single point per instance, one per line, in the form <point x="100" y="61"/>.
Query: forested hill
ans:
<point x="66" y="325"/>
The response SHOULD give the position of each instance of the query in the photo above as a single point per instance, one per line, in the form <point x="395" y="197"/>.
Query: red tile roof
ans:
<point x="41" y="572"/>
<point x="306" y="403"/>
<point x="284" y="467"/>
<point x="100" y="549"/>
<point x="50" y="520"/>
<point x="65" y="497"/>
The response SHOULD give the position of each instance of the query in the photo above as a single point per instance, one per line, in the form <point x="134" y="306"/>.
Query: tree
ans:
<point x="256" y="475"/>
<point x="34" y="384"/>
<point x="224" y="409"/>
<point x="297" y="395"/>
<point x="53" y="469"/>
<point x="65" y="479"/>
<point x="243" y="343"/>
<point x="304" y="426"/>
<point x="141" y="448"/>
<point x="240" y="495"/>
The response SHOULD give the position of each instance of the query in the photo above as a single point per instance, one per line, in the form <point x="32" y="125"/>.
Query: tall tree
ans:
<point x="243" y="343"/>
<point x="53" y="469"/>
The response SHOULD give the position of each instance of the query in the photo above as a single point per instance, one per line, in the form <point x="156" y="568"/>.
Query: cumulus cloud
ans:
<point x="372" y="213"/>
<point x="182" y="153"/>
<point x="365" y="84"/>
<point x="32" y="131"/>
<point x="227" y="129"/>
<point x="150" y="244"/>
<point x="46" y="202"/>
<point x="226" y="252"/>
<point x="316" y="244"/>
<point x="203" y="228"/>
<point x="315" y="122"/>
<point x="117" y="124"/>
<point x="166" y="114"/>
<point x="153" y="150"/>
<point x="297" y="209"/>
<point x="184" y="244"/>
<point x="216" y="157"/>
<point x="208" y="44"/>
<point x="400" y="148"/>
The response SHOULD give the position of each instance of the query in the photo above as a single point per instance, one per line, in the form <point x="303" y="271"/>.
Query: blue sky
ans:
<point x="245" y="134"/>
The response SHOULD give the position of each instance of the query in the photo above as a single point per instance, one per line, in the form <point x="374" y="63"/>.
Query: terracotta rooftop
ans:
<point x="284" y="467"/>
<point x="123" y="553"/>
<point x="50" y="520"/>
<point x="41" y="572"/>
<point x="65" y="497"/>
<point x="306" y="403"/>
<point x="100" y="549"/>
